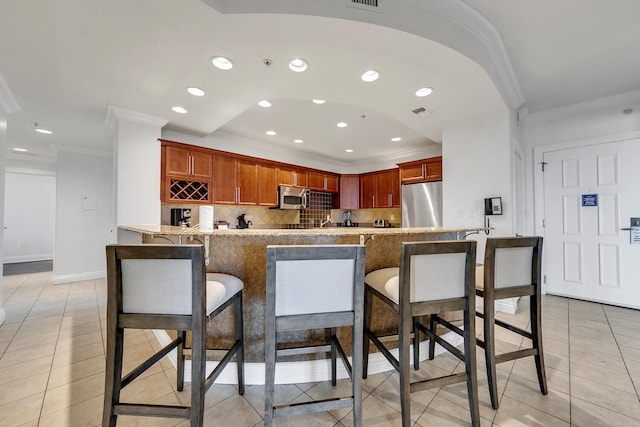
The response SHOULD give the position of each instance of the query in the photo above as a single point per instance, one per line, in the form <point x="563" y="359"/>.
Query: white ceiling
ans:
<point x="66" y="61"/>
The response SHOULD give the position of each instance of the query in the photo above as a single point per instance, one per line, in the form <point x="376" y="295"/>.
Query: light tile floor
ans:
<point x="52" y="370"/>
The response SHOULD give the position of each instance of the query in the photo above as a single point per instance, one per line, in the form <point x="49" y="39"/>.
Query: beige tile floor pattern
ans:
<point x="52" y="370"/>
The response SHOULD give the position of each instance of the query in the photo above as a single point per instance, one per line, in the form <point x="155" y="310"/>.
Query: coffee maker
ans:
<point x="181" y="217"/>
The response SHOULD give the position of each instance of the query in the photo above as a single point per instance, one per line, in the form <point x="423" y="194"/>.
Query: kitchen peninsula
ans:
<point x="242" y="253"/>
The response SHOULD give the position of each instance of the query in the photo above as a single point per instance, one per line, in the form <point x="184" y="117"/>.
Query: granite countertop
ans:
<point x="327" y="231"/>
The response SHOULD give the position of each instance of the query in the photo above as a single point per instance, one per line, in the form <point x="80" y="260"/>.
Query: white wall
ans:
<point x="136" y="167"/>
<point x="84" y="214"/>
<point x="476" y="164"/>
<point x="29" y="217"/>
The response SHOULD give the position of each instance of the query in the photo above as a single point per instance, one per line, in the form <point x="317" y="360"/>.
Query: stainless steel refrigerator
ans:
<point x="422" y="204"/>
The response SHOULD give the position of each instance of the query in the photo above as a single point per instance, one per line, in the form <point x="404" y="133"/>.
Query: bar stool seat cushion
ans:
<point x="221" y="287"/>
<point x="385" y="281"/>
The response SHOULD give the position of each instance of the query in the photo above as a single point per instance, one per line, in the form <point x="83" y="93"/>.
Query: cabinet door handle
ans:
<point x="325" y="183"/>
<point x="390" y="199"/>
<point x="238" y="194"/>
<point x="191" y="165"/>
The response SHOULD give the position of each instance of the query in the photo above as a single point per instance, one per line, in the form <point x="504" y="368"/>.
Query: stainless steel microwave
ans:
<point x="293" y="197"/>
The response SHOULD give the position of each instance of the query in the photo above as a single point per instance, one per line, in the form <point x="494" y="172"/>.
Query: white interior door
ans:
<point x="587" y="255"/>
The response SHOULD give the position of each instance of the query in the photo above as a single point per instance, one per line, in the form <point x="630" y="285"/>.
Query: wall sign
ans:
<point x="589" y="200"/>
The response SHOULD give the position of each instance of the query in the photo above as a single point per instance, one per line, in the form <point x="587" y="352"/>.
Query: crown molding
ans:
<point x="114" y="114"/>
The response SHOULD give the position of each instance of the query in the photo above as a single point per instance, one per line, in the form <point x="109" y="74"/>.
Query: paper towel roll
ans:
<point x="206" y="217"/>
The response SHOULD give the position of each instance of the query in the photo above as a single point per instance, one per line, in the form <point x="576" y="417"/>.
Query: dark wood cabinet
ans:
<point x="186" y="174"/>
<point x="235" y="182"/>
<point x="224" y="180"/>
<point x="187" y="162"/>
<point x="380" y="189"/>
<point x="293" y="177"/>
<point x="267" y="185"/>
<point x="349" y="192"/>
<point x="323" y="182"/>
<point x="421" y="170"/>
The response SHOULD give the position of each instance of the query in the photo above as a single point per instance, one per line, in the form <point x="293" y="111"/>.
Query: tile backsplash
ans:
<point x="319" y="208"/>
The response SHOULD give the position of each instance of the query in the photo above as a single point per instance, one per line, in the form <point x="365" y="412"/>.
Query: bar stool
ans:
<point x="314" y="287"/>
<point x="512" y="268"/>
<point x="166" y="287"/>
<point x="433" y="277"/>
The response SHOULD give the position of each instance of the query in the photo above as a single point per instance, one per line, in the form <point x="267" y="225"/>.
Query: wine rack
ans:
<point x="189" y="190"/>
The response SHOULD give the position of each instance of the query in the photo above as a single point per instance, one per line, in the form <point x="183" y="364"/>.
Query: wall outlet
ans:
<point x="362" y="239"/>
<point x="22" y="244"/>
<point x="392" y="218"/>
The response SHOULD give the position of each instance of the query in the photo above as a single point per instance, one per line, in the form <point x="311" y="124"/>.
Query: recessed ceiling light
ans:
<point x="370" y="76"/>
<point x="349" y="150"/>
<point x="298" y="65"/>
<point x="298" y="141"/>
<point x="264" y="103"/>
<point x="396" y="139"/>
<point x="20" y="150"/>
<point x="424" y="91"/>
<point x="179" y="109"/>
<point x="222" y="63"/>
<point x="319" y="101"/>
<point x="270" y="132"/>
<point x="342" y="125"/>
<point x="45" y="131"/>
<point x="195" y="91"/>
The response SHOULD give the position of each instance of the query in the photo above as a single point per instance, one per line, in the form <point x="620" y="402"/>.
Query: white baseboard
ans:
<point x="300" y="372"/>
<point x="507" y="305"/>
<point x="26" y="258"/>
<point x="78" y="277"/>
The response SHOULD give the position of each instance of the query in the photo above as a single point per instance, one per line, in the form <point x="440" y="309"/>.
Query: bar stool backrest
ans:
<point x="153" y="286"/>
<point x="512" y="262"/>
<point x="307" y="286"/>
<point x="437" y="276"/>
<point x="513" y="266"/>
<point x="158" y="279"/>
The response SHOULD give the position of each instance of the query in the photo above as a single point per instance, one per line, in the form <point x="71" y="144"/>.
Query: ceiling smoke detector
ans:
<point x="422" y="111"/>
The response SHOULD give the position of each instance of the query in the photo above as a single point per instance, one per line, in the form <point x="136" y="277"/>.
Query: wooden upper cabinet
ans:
<point x="421" y="170"/>
<point x="380" y="189"/>
<point x="367" y="191"/>
<point x="323" y="182"/>
<point x="433" y="169"/>
<point x="267" y="185"/>
<point x="235" y="182"/>
<point x="187" y="162"/>
<point x="293" y="177"/>
<point x="349" y="192"/>
<point x="247" y="182"/>
<point x="224" y="180"/>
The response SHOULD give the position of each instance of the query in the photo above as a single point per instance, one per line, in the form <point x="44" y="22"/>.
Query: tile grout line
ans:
<point x="636" y="387"/>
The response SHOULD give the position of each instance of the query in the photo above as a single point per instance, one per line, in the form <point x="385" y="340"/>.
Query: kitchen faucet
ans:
<point x="325" y="222"/>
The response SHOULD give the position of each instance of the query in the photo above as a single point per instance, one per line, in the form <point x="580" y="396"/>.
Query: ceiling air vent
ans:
<point x="371" y="5"/>
<point x="422" y="111"/>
